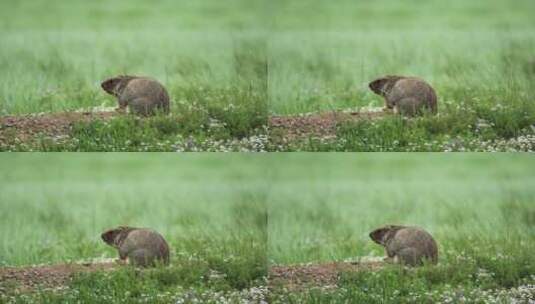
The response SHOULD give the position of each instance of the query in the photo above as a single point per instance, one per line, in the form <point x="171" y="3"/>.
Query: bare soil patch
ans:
<point x="291" y="277"/>
<point x="26" y="127"/>
<point x="314" y="125"/>
<point x="326" y="275"/>
<point x="25" y="279"/>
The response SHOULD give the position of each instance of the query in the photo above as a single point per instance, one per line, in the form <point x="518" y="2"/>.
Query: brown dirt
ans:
<point x="25" y="127"/>
<point x="325" y="275"/>
<point x="286" y="128"/>
<point x="25" y="279"/>
<point x="293" y="277"/>
<point x="314" y="125"/>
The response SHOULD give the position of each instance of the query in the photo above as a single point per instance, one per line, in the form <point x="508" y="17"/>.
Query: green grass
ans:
<point x="326" y="205"/>
<point x="466" y="280"/>
<point x="200" y="126"/>
<point x="248" y="59"/>
<point x="57" y="60"/>
<point x="325" y="57"/>
<point x="211" y="210"/>
<point x="54" y="207"/>
<point x="479" y="207"/>
<point x="228" y="218"/>
<point x="476" y="54"/>
<point x="470" y="127"/>
<point x="483" y="76"/>
<point x="211" y="57"/>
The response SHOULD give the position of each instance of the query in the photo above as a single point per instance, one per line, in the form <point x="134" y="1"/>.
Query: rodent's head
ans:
<point x="115" y="236"/>
<point x="383" y="234"/>
<point x="381" y="86"/>
<point x="115" y="85"/>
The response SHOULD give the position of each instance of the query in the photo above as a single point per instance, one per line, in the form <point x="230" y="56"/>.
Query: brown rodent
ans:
<point x="144" y="96"/>
<point x="408" y="96"/>
<point x="406" y="245"/>
<point x="139" y="246"/>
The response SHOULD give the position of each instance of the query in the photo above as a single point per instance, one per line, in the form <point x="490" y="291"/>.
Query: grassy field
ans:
<point x="480" y="208"/>
<point x="324" y="55"/>
<point x="317" y="61"/>
<point x="229" y="218"/>
<point x="211" y="57"/>
<point x="476" y="54"/>
<point x="211" y="210"/>
<point x="232" y="64"/>
<point x="56" y="60"/>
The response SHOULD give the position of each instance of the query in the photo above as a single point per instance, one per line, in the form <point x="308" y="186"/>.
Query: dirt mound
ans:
<point x="314" y="125"/>
<point x="291" y="277"/>
<point x="24" y="279"/>
<point x="25" y="127"/>
<point x="297" y="277"/>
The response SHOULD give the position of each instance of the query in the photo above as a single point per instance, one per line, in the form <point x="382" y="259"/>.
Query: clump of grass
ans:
<point x="239" y="110"/>
<point x="203" y="265"/>
<point x="474" y="125"/>
<point x="196" y="126"/>
<point x="203" y="118"/>
<point x="240" y="259"/>
<point x="478" y="275"/>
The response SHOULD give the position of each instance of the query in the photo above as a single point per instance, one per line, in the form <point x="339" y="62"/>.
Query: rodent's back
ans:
<point x="416" y="239"/>
<point x="144" y="87"/>
<point x="147" y="241"/>
<point x="416" y="89"/>
<point x="145" y="95"/>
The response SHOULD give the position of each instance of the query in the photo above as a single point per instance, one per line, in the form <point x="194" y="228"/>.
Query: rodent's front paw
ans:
<point x="389" y="260"/>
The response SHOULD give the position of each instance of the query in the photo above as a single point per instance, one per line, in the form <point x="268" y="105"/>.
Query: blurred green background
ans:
<point x="307" y="55"/>
<point x="54" y="54"/>
<point x="323" y="206"/>
<point x="473" y="52"/>
<point x="53" y="207"/>
<point x="291" y="207"/>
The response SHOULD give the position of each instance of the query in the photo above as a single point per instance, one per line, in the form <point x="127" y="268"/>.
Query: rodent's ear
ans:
<point x="377" y="85"/>
<point x="108" y="236"/>
<point x="378" y="234"/>
<point x="109" y="85"/>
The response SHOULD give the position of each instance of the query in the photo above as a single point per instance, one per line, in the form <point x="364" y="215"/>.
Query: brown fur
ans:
<point x="140" y="246"/>
<point x="144" y="96"/>
<point x="408" y="96"/>
<point x="408" y="245"/>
